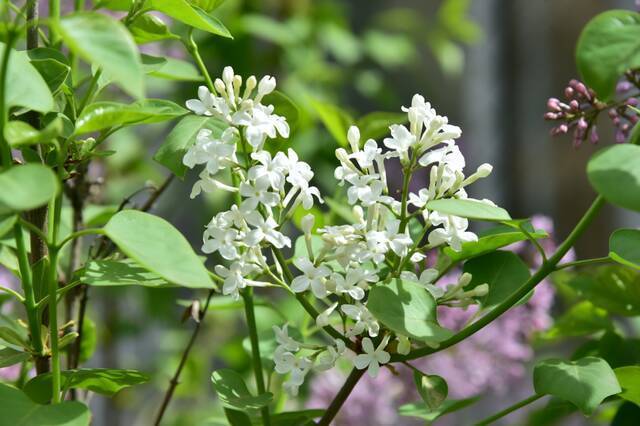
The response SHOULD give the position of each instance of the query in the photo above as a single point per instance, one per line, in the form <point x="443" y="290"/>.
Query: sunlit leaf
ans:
<point x="471" y="209"/>
<point x="234" y="394"/>
<point x="624" y="247"/>
<point x="614" y="173"/>
<point x="156" y="245"/>
<point x="26" y="87"/>
<point x="585" y="382"/>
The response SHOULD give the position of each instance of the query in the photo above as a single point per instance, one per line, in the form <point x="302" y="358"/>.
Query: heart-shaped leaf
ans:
<point x="104" y="42"/>
<point x="624" y="247"/>
<point x="433" y="389"/>
<point x="608" y="46"/>
<point x="504" y="271"/>
<point x="234" y="394"/>
<point x="614" y="173"/>
<point x="156" y="245"/>
<point x="18" y="410"/>
<point x="585" y="382"/>
<point x="102" y="115"/>
<point x="26" y="86"/>
<point x="27" y="187"/>
<point x="99" y="380"/>
<point x="408" y="309"/>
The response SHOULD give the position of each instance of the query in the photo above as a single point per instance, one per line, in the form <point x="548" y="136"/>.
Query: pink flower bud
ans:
<point x="551" y="116"/>
<point x="569" y="92"/>
<point x="594" y="137"/>
<point x="623" y="86"/>
<point x="620" y="137"/>
<point x="582" y="123"/>
<point x="553" y="104"/>
<point x="574" y="105"/>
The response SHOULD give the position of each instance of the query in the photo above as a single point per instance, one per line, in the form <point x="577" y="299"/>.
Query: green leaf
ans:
<point x="105" y="42"/>
<point x="612" y="287"/>
<point x="156" y="245"/>
<point x="407" y="309"/>
<point x="614" y="173"/>
<point x="376" y="124"/>
<point x="6" y="223"/>
<point x="102" y="115"/>
<point x="233" y="392"/>
<point x="103" y="381"/>
<point x="334" y="119"/>
<point x="433" y="389"/>
<point x="52" y="65"/>
<point x="471" y="209"/>
<point x="504" y="271"/>
<point x="27" y="187"/>
<point x="490" y="240"/>
<point x="182" y="11"/>
<point x="13" y="337"/>
<point x="181" y="138"/>
<point x="421" y="410"/>
<point x="207" y="5"/>
<point x="20" y="133"/>
<point x="585" y="382"/>
<point x="178" y="70"/>
<point x="581" y="319"/>
<point x="89" y="340"/>
<point x="624" y="247"/>
<point x="629" y="379"/>
<point x="26" y="87"/>
<point x="148" y="28"/>
<point x="18" y="410"/>
<point x="237" y="418"/>
<point x="9" y="356"/>
<point x="608" y="46"/>
<point x="152" y="64"/>
<point x="113" y="273"/>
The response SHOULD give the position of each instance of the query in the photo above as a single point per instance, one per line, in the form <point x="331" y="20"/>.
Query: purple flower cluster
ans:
<point x="581" y="108"/>
<point x="493" y="361"/>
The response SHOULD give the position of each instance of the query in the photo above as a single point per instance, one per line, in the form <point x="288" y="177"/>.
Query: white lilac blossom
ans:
<point x="343" y="261"/>
<point x="372" y="357"/>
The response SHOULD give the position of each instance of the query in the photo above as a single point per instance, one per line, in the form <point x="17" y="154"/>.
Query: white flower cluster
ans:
<point x="341" y="262"/>
<point x="269" y="187"/>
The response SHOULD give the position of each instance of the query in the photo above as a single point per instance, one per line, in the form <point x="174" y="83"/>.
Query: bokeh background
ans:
<point x="489" y="65"/>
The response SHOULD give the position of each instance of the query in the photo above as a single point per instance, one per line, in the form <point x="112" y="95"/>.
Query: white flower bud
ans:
<point x="307" y="222"/>
<point x="267" y="85"/>
<point x="417" y="257"/>
<point x="237" y="84"/>
<point x="353" y="136"/>
<point x="220" y="87"/>
<point x="464" y="280"/>
<point x="480" y="290"/>
<point x="484" y="170"/>
<point x="404" y="345"/>
<point x="227" y="75"/>
<point x="249" y="85"/>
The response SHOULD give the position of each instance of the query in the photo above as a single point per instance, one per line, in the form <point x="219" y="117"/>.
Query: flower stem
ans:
<point x="341" y="397"/>
<point x="249" y="311"/>
<point x="192" y="47"/>
<point x="546" y="268"/>
<point x="583" y="262"/>
<point x="52" y="281"/>
<point x="508" y="410"/>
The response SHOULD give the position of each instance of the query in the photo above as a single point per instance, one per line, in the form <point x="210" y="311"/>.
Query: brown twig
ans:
<point x="173" y="383"/>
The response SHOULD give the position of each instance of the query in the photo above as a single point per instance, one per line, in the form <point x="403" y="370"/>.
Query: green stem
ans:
<point x="406" y="179"/>
<point x="341" y="397"/>
<point x="249" y="311"/>
<point x="54" y="17"/>
<point x="81" y="233"/>
<point x="52" y="281"/>
<point x="583" y="262"/>
<point x="192" y="47"/>
<point x="27" y="288"/>
<point x="5" y="149"/>
<point x="547" y="268"/>
<point x="508" y="410"/>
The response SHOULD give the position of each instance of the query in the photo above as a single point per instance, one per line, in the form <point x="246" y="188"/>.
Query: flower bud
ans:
<point x="465" y="279"/>
<point x="267" y="85"/>
<point x="237" y="84"/>
<point x="404" y="345"/>
<point x="307" y="222"/>
<point x="220" y="87"/>
<point x="574" y="105"/>
<point x="484" y="170"/>
<point x="553" y="104"/>
<point x="594" y="137"/>
<point x="249" y="85"/>
<point x="322" y="320"/>
<point x="480" y="290"/>
<point x="569" y="92"/>
<point x="353" y="136"/>
<point x="227" y="75"/>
